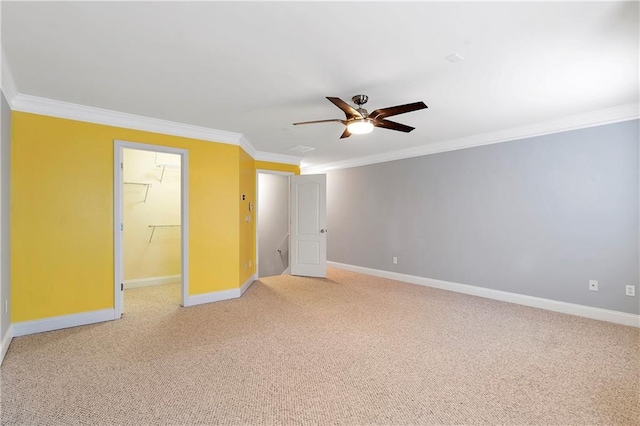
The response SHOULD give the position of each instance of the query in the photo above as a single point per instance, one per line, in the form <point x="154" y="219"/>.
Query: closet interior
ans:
<point x="151" y="229"/>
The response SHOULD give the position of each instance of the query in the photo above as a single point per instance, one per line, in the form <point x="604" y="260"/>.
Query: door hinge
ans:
<point x="121" y="286"/>
<point x="121" y="166"/>
<point x="121" y="227"/>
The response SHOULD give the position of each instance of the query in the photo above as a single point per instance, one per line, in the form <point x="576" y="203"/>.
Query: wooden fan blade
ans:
<point x="348" y="110"/>
<point x="322" y="121"/>
<point x="399" y="109"/>
<point x="345" y="134"/>
<point x="392" y="125"/>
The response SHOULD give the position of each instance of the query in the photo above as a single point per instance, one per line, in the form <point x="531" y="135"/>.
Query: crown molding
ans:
<point x="278" y="158"/>
<point x="580" y="121"/>
<point x="50" y="107"/>
<point x="60" y="109"/>
<point x="247" y="146"/>
<point x="71" y="111"/>
<point x="267" y="156"/>
<point x="8" y="84"/>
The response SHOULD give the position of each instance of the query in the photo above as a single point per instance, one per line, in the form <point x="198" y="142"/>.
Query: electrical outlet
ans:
<point x="593" y="285"/>
<point x="395" y="260"/>
<point x="631" y="290"/>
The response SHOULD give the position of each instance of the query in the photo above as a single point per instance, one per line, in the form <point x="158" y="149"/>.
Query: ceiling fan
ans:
<point x="359" y="121"/>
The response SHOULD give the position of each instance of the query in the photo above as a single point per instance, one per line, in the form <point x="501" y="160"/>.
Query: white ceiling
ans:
<point x="256" y="67"/>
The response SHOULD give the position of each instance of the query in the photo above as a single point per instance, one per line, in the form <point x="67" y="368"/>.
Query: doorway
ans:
<point x="151" y="224"/>
<point x="272" y="223"/>
<point x="291" y="233"/>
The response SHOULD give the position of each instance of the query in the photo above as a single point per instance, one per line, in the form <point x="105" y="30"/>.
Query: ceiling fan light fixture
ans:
<point x="358" y="121"/>
<point x="360" y="127"/>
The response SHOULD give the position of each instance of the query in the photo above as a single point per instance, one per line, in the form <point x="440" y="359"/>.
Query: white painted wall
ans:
<point x="5" y="272"/>
<point x="273" y="224"/>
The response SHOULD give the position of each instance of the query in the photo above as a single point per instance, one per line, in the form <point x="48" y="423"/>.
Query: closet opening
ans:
<point x="150" y="191"/>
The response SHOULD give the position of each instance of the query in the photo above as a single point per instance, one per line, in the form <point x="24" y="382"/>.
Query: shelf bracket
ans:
<point x="148" y="185"/>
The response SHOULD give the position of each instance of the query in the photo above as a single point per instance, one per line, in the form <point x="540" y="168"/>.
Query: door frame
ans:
<point x="119" y="146"/>
<point x="272" y="172"/>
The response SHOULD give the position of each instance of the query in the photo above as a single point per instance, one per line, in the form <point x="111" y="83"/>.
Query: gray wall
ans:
<point x="273" y="224"/>
<point x="538" y="216"/>
<point x="5" y="175"/>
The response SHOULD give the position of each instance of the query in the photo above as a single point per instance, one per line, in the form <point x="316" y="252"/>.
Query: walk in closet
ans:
<point x="151" y="228"/>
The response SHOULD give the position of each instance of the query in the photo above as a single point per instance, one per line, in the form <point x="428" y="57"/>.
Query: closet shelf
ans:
<point x="153" y="229"/>
<point x="148" y="185"/>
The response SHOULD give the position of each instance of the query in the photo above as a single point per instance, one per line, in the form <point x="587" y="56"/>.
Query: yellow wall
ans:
<point x="247" y="228"/>
<point x="61" y="217"/>
<point x="62" y="259"/>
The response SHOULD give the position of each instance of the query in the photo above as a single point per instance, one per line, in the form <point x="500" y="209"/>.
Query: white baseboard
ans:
<point x="504" y="296"/>
<point x="286" y="271"/>
<point x="6" y="341"/>
<point x="63" y="321"/>
<point x="84" y="318"/>
<point x="218" y="296"/>
<point x="144" y="282"/>
<point x="244" y="287"/>
<point x="215" y="296"/>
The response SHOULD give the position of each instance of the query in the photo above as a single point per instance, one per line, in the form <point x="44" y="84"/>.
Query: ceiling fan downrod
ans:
<point x="361" y="100"/>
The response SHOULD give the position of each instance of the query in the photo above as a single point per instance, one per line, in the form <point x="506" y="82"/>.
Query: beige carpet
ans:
<point x="351" y="349"/>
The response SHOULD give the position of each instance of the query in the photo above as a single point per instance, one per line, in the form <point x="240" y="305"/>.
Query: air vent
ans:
<point x="300" y="149"/>
<point x="453" y="58"/>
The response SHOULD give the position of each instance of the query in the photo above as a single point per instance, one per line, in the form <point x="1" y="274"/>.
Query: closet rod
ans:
<point x="160" y="226"/>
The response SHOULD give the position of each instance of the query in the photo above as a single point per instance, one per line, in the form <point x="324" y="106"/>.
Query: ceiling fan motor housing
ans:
<point x="363" y="112"/>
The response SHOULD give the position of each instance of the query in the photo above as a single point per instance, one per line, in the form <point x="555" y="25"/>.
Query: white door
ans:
<point x="309" y="225"/>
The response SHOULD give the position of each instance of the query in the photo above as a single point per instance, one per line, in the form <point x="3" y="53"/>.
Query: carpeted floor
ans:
<point x="154" y="300"/>
<point x="351" y="349"/>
